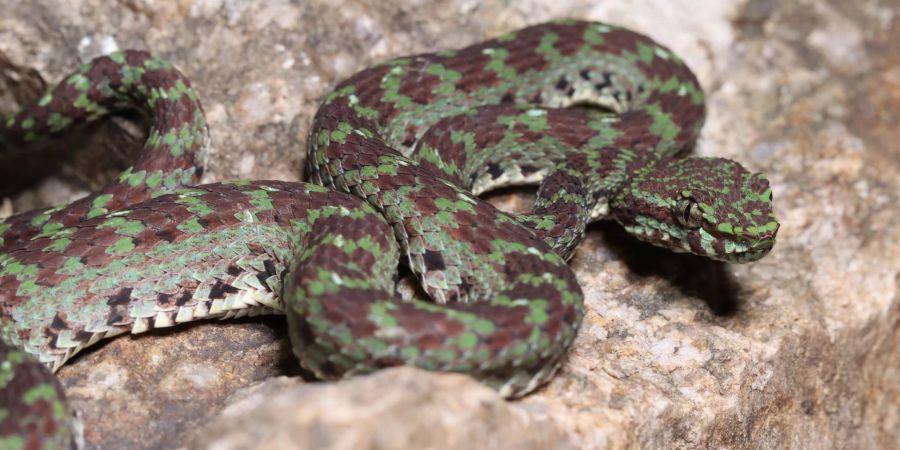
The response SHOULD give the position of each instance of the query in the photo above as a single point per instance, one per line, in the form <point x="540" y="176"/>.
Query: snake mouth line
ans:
<point x="753" y="254"/>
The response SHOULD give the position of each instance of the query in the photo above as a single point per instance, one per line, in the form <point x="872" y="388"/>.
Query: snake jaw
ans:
<point x="757" y="251"/>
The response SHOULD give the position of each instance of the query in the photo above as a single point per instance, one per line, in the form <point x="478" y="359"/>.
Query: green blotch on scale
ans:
<point x="454" y="206"/>
<point x="374" y="346"/>
<point x="661" y="52"/>
<point x="43" y="391"/>
<point x="27" y="287"/>
<point x="316" y="287"/>
<point x="366" y="112"/>
<point x="402" y="101"/>
<point x="445" y="218"/>
<point x="497" y="64"/>
<point x="409" y="353"/>
<point x="342" y="92"/>
<point x="477" y="324"/>
<point x="344" y="336"/>
<point x="50" y="228"/>
<point x="754" y="230"/>
<point x="79" y="81"/>
<point x="178" y="90"/>
<point x="154" y="179"/>
<point x="382" y="317"/>
<point x="123" y="226"/>
<point x="449" y="78"/>
<point x="594" y="34"/>
<point x="323" y="138"/>
<point x="174" y="179"/>
<point x="646" y="52"/>
<point x="39" y="219"/>
<point x="340" y="134"/>
<point x="135" y="179"/>
<point x="364" y="132"/>
<point x="387" y="169"/>
<point x="368" y="172"/>
<point x="186" y="136"/>
<point x="445" y="355"/>
<point x="663" y="125"/>
<point x="366" y="243"/>
<point x="12" y="442"/>
<point x="57" y="121"/>
<point x="121" y="247"/>
<point x="58" y="245"/>
<point x="467" y="138"/>
<point x="73" y="264"/>
<point x="546" y="223"/>
<point x="16" y="269"/>
<point x="260" y="199"/>
<point x="308" y="187"/>
<point x="45" y="99"/>
<point x="98" y="206"/>
<point x="86" y="104"/>
<point x="106" y="91"/>
<point x="157" y="63"/>
<point x="669" y="85"/>
<point x="132" y="75"/>
<point x="547" y="47"/>
<point x="535" y="120"/>
<point x="170" y="139"/>
<point x="519" y="349"/>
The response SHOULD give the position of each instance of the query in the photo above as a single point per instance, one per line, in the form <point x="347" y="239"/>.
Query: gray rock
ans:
<point x="798" y="350"/>
<point x="396" y="408"/>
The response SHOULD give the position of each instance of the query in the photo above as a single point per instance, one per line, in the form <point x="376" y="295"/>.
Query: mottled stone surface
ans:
<point x="797" y="350"/>
<point x="380" y="411"/>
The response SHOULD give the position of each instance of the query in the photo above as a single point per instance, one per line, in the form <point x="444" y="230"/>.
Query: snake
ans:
<point x="600" y="117"/>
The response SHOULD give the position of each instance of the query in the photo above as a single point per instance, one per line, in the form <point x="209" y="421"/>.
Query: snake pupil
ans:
<point x="686" y="213"/>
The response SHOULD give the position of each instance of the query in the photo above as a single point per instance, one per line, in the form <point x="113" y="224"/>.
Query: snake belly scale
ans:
<point x="394" y="155"/>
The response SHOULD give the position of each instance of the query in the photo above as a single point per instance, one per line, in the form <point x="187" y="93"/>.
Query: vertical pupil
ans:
<point x="687" y="213"/>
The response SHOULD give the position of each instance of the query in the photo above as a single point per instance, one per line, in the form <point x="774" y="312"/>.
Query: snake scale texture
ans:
<point x="598" y="115"/>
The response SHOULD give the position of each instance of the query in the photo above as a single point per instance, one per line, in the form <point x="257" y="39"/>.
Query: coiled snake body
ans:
<point x="395" y="154"/>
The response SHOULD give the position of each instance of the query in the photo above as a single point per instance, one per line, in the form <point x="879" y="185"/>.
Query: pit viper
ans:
<point x="598" y="115"/>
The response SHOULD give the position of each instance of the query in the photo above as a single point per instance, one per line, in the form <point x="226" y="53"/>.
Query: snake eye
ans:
<point x="689" y="214"/>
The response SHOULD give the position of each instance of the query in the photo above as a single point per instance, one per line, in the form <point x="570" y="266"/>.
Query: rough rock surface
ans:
<point x="375" y="412"/>
<point x="797" y="350"/>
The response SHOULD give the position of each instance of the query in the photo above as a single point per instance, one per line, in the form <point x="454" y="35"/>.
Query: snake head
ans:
<point x="711" y="207"/>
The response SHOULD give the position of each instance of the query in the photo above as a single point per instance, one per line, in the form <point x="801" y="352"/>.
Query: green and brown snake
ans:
<point x="598" y="115"/>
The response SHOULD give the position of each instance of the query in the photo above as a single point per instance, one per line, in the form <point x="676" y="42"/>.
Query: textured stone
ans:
<point x="395" y="408"/>
<point x="798" y="350"/>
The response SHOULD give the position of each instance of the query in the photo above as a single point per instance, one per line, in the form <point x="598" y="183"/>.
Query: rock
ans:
<point x="797" y="350"/>
<point x="396" y="408"/>
<point x="151" y="391"/>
